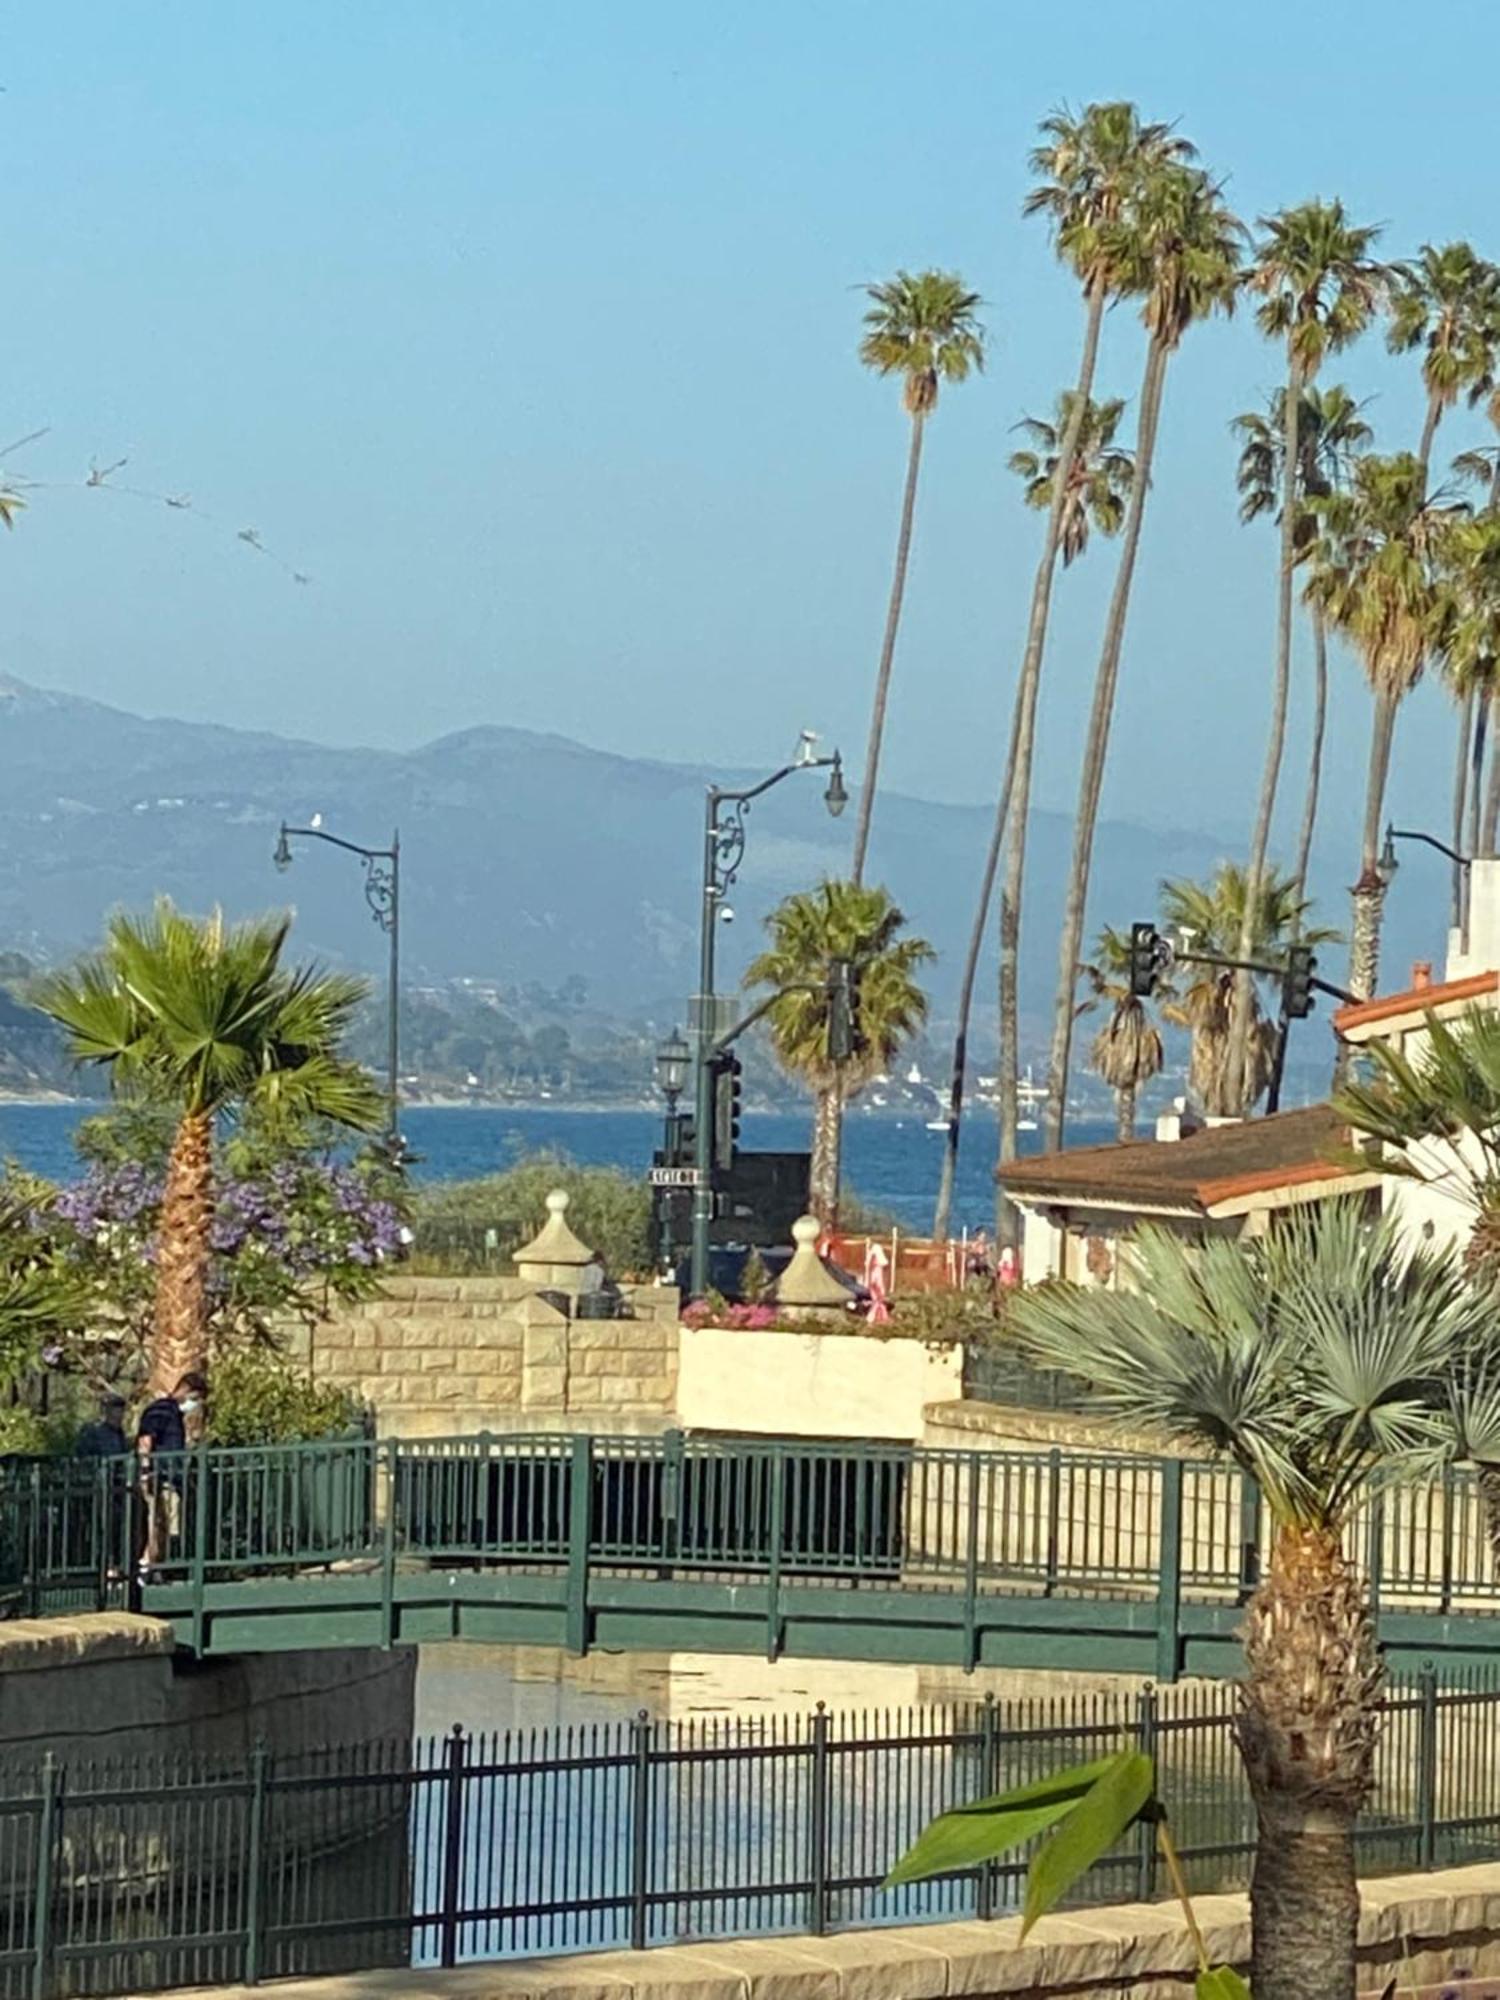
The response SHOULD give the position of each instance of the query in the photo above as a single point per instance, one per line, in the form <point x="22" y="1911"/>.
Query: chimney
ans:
<point x="1421" y="975"/>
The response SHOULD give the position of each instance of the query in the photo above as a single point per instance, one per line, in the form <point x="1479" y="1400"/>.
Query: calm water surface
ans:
<point x="891" y="1163"/>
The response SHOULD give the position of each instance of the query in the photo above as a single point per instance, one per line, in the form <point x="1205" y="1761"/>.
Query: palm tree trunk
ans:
<point x="1487" y="1479"/>
<point x="823" y="1176"/>
<point x="1369" y="891"/>
<point x="1314" y="762"/>
<point x="1260" y="838"/>
<point x="1125" y="1112"/>
<point x="1478" y="745"/>
<point x="1490" y="831"/>
<point x="1307" y="1729"/>
<point x="1430" y="423"/>
<point x="887" y="651"/>
<point x="1095" y="752"/>
<point x="179" y="1334"/>
<point x="1017" y="807"/>
<point x="1460" y="797"/>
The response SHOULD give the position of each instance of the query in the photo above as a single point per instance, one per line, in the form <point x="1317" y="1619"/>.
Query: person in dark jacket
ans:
<point x="161" y="1438"/>
<point x="105" y="1436"/>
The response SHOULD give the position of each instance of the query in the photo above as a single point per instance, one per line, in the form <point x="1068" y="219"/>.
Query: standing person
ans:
<point x="164" y="1431"/>
<point x="105" y="1436"/>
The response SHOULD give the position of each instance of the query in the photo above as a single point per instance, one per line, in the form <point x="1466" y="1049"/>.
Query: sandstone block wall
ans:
<point x="434" y="1356"/>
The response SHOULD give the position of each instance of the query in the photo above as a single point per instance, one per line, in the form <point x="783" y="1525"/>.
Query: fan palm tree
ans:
<point x="1446" y="302"/>
<point x="1178" y="247"/>
<point x="1127" y="1051"/>
<point x="1470" y="561"/>
<point x="810" y="934"/>
<point x="1304" y="1358"/>
<point x="1319" y="288"/>
<point x="1099" y="485"/>
<point x="204" y="1016"/>
<point x="1087" y="165"/>
<point x="1377" y="579"/>
<point x="921" y="326"/>
<point x="1331" y="433"/>
<point x="1210" y="917"/>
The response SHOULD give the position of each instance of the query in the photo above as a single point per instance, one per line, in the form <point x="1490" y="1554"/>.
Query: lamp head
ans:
<point x="1387" y="864"/>
<point x="836" y="797"/>
<point x="672" y="1060"/>
<point x="283" y="855"/>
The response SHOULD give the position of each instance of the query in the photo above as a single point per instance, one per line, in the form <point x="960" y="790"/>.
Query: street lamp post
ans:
<point x="723" y="849"/>
<point x="383" y="894"/>
<point x="672" y="1060"/>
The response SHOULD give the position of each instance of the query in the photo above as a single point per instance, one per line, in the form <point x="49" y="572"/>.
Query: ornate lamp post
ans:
<point x="383" y="894"/>
<point x="673" y="1060"/>
<point x="723" y="850"/>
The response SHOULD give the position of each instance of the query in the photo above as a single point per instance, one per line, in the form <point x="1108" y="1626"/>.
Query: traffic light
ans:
<point x="1297" y="986"/>
<point x="1145" y="960"/>
<point x="728" y="1096"/>
<point x="845" y="1034"/>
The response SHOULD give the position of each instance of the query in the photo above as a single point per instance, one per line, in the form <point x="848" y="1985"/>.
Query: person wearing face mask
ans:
<point x="166" y="1428"/>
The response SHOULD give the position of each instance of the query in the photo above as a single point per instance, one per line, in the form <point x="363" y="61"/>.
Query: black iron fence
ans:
<point x="474" y="1847"/>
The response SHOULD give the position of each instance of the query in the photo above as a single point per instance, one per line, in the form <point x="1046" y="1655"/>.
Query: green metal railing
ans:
<point x="474" y="1847"/>
<point x="871" y="1551"/>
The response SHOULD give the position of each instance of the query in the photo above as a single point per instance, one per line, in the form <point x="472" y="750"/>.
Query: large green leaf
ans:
<point x="1117" y="1796"/>
<point x="1220" y="1982"/>
<point x="970" y="1834"/>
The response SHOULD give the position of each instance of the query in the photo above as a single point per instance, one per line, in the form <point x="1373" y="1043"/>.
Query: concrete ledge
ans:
<point x="1422" y="1925"/>
<point x="32" y="1645"/>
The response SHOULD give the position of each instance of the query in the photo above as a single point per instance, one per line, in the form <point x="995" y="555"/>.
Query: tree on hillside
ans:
<point x="1177" y="247"/>
<point x="1306" y="1359"/>
<point x="923" y="327"/>
<point x="1097" y="490"/>
<point x="1319" y="288"/>
<point x="811" y="933"/>
<point x="206" y="1018"/>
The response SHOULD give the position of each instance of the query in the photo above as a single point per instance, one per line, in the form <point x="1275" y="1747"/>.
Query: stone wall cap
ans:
<point x="807" y="1280"/>
<point x="554" y="1242"/>
<point x="29" y="1645"/>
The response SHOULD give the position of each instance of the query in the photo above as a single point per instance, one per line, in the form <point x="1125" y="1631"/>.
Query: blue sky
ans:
<point x="529" y="335"/>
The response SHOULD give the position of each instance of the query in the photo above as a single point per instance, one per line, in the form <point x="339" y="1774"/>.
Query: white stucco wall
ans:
<point x="833" y="1385"/>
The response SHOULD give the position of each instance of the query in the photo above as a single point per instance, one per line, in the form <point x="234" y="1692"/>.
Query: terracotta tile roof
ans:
<point x="1415" y="1000"/>
<point x="1194" y="1174"/>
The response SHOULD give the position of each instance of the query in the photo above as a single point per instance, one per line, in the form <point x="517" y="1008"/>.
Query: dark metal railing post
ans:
<point x="385" y="1468"/>
<point x="255" y="1864"/>
<point x="1375" y="1551"/>
<point x="1169" y="1585"/>
<point x="989" y="1784"/>
<point x="817" y="1828"/>
<point x="640" y="1832"/>
<point x="1249" y="1575"/>
<point x="453" y="1844"/>
<point x="1054" y="1516"/>
<point x="1427" y="1766"/>
<point x="580" y="1534"/>
<point x="778" y="1471"/>
<point x="33" y="1599"/>
<point x="1445" y="1581"/>
<point x="971" y="1569"/>
<point x="199" y="1488"/>
<point x="49" y="1820"/>
<point x="671" y="1495"/>
<point x="1147" y="1729"/>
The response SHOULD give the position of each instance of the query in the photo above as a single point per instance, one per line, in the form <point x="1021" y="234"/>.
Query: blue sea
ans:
<point x="891" y="1163"/>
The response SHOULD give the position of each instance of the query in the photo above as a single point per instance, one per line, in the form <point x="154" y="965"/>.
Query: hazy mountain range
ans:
<point x="525" y="857"/>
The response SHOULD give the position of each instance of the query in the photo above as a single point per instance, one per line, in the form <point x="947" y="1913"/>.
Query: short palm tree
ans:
<point x="1305" y="1358"/>
<point x="1179" y="249"/>
<point x="1331" y="433"/>
<point x="923" y="327"/>
<point x="1098" y="490"/>
<point x="1210" y="917"/>
<point x="205" y="1017"/>
<point x="1127" y="1052"/>
<point x="1319" y="288"/>
<point x="810" y="934"/>
<point x="1376" y="577"/>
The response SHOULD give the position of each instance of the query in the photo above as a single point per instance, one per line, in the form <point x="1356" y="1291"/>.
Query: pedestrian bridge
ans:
<point x="1047" y="1560"/>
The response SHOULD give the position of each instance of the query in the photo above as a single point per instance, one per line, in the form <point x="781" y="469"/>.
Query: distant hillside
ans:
<point x="526" y="857"/>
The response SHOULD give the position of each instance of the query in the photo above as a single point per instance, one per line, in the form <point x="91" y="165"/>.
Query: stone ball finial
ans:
<point x="807" y="1286"/>
<point x="554" y="1258"/>
<point x="805" y="1232"/>
<point x="557" y="1201"/>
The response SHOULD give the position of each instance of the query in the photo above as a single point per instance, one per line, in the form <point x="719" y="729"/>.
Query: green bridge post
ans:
<point x="776" y="1472"/>
<point x="385" y="1473"/>
<point x="971" y="1570"/>
<point x="1169" y="1588"/>
<point x="1427" y="1766"/>
<point x="196" y="1482"/>
<point x="580" y="1534"/>
<point x="1147" y="1729"/>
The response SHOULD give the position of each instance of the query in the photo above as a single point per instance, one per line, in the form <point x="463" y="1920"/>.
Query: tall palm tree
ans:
<point x="204" y="1017"/>
<point x="1377" y="579"/>
<point x="1087" y="166"/>
<point x="1319" y="288"/>
<point x="1179" y="247"/>
<point x="1305" y="1359"/>
<point x="923" y="327"/>
<point x="810" y="934"/>
<point x="1127" y="1052"/>
<point x="1331" y="433"/>
<point x="1210" y="917"/>
<point x="1099" y="476"/>
<point x="1470" y="561"/>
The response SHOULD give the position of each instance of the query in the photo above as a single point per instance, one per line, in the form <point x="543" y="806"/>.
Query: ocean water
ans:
<point x="891" y="1163"/>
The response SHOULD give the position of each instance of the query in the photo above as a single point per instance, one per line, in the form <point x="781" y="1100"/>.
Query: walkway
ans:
<point x="1048" y="1559"/>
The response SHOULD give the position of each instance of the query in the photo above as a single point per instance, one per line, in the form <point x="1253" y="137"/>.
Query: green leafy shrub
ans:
<point x="24" y="1434"/>
<point x="479" y="1225"/>
<point x="257" y="1397"/>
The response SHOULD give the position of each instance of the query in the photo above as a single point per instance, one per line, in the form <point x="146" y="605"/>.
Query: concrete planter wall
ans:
<point x="780" y="1382"/>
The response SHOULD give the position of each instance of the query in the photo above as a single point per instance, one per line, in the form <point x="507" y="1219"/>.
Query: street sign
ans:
<point x="688" y="1177"/>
